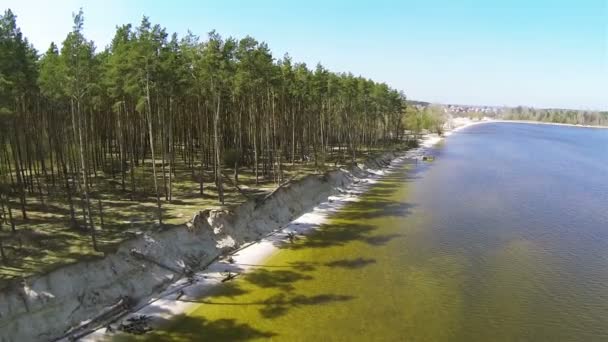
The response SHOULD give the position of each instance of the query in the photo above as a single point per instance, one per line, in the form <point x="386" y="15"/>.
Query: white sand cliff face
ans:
<point x="47" y="306"/>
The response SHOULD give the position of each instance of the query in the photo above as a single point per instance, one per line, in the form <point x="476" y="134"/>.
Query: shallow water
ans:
<point x="503" y="237"/>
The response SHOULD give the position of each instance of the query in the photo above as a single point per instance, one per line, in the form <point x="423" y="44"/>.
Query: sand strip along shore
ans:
<point x="146" y="269"/>
<point x="150" y="267"/>
<point x="169" y="303"/>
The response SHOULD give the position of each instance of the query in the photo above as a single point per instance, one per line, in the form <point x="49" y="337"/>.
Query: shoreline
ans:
<point x="84" y="297"/>
<point x="489" y="120"/>
<point x="551" y="123"/>
<point x="169" y="304"/>
<point x="153" y="268"/>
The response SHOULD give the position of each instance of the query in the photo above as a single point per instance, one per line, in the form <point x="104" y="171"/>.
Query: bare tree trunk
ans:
<point x="255" y="146"/>
<point x="293" y="134"/>
<point x="10" y="214"/>
<point x="218" y="161"/>
<point x="239" y="147"/>
<point x="84" y="178"/>
<point x="170" y="147"/>
<point x="131" y="155"/>
<point x="101" y="223"/>
<point x="19" y="172"/>
<point x="162" y="148"/>
<point x="121" y="149"/>
<point x="200" y="123"/>
<point x="151" y="136"/>
<point x="2" y="255"/>
<point x="68" y="190"/>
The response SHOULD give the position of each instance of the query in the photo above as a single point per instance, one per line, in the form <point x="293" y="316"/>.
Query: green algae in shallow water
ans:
<point x="346" y="281"/>
<point x="504" y="243"/>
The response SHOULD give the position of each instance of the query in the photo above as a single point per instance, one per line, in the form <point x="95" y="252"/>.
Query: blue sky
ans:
<point x="545" y="53"/>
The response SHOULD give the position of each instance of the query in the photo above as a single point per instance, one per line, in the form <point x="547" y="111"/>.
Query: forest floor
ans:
<point x="45" y="240"/>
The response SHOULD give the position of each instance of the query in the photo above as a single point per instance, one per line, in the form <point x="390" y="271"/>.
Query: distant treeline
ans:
<point x="566" y="116"/>
<point x="554" y="115"/>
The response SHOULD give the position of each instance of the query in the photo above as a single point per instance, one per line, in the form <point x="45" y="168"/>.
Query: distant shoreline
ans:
<point x="459" y="122"/>
<point x="550" y="123"/>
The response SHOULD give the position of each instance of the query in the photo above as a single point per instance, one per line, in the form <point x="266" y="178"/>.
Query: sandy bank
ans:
<point x="150" y="269"/>
<point x="171" y="302"/>
<point x="152" y="265"/>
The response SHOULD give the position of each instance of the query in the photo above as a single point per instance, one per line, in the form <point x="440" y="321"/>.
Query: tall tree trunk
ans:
<point x="239" y="146"/>
<point x="202" y="147"/>
<point x="218" y="161"/>
<point x="85" y="178"/>
<point x="171" y="148"/>
<point x="121" y="149"/>
<point x="162" y="148"/>
<point x="253" y="122"/>
<point x="68" y="190"/>
<point x="151" y="136"/>
<point x="293" y="134"/>
<point x="11" y="219"/>
<point x="2" y="254"/>
<point x="19" y="172"/>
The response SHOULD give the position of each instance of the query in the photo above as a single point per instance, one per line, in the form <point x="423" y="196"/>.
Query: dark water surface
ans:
<point x="504" y="237"/>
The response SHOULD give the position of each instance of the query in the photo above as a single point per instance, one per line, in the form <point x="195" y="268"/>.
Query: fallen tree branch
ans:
<point x="229" y="276"/>
<point x="118" y="309"/>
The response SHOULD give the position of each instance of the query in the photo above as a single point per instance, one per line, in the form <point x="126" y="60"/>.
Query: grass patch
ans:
<point x="46" y="240"/>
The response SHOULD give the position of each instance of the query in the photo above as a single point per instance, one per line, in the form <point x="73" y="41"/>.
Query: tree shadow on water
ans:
<point x="330" y="236"/>
<point x="351" y="263"/>
<point x="280" y="279"/>
<point x="375" y="208"/>
<point x="189" y="328"/>
<point x="229" y="290"/>
<point x="279" y="304"/>
<point x="381" y="240"/>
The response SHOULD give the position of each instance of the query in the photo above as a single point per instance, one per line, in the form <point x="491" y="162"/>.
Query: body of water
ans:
<point x="503" y="237"/>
